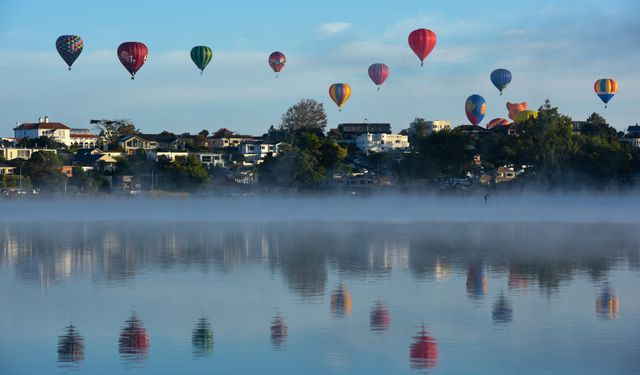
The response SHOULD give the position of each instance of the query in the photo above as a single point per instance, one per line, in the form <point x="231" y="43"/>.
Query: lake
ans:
<point x="359" y="296"/>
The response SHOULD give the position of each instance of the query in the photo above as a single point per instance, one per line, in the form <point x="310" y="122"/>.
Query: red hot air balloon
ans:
<point x="277" y="60"/>
<point x="422" y="42"/>
<point x="133" y="55"/>
<point x="379" y="73"/>
<point x="423" y="351"/>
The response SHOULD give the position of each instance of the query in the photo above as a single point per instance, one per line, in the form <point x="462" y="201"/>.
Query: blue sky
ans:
<point x="554" y="49"/>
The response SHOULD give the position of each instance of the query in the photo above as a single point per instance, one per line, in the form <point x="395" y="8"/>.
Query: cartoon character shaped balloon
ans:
<point x="133" y="55"/>
<point x="475" y="107"/>
<point x="514" y="108"/>
<point x="69" y="47"/>
<point x="606" y="88"/>
<point x="422" y="42"/>
<point x="525" y="115"/>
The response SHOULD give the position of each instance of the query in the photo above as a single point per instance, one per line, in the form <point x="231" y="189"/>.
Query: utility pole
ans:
<point x="20" y="177"/>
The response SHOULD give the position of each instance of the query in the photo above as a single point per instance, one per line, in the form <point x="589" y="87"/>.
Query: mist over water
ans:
<point x="354" y="285"/>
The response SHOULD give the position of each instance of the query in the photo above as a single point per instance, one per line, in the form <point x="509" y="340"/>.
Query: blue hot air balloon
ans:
<point x="475" y="107"/>
<point x="501" y="78"/>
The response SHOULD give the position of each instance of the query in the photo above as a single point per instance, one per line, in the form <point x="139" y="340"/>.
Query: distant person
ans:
<point x="486" y="198"/>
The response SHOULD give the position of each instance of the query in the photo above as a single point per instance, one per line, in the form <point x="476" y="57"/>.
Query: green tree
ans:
<point x="44" y="169"/>
<point x="183" y="174"/>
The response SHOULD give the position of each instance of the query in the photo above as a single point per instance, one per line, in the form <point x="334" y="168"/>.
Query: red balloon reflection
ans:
<point x="134" y="340"/>
<point x="70" y="346"/>
<point x="379" y="317"/>
<point x="424" y="351"/>
<point x="278" y="332"/>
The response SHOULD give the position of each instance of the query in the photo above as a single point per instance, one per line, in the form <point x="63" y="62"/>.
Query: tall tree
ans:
<point x="307" y="114"/>
<point x="111" y="130"/>
<point x="44" y="170"/>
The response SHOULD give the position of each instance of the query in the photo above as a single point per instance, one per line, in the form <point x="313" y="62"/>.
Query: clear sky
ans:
<point x="555" y="49"/>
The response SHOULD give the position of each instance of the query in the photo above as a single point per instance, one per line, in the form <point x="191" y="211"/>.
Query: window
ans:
<point x="206" y="159"/>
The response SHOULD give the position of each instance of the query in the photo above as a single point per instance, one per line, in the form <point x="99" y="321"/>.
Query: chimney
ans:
<point x="40" y="120"/>
<point x="46" y="119"/>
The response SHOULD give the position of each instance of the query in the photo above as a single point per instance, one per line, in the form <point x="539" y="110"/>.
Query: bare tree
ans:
<point x="307" y="114"/>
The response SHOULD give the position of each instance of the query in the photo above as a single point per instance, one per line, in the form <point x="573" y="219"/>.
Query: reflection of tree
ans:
<point x="202" y="338"/>
<point x="278" y="332"/>
<point x="423" y="353"/>
<point x="134" y="340"/>
<point x="70" y="346"/>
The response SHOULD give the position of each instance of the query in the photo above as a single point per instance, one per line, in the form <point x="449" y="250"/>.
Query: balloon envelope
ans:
<point x="422" y="42"/>
<point x="514" y="108"/>
<point x="379" y="73"/>
<point x="606" y="88"/>
<point x="475" y="108"/>
<point x="201" y="56"/>
<point x="497" y="122"/>
<point x="501" y="78"/>
<point x="525" y="115"/>
<point x="277" y="60"/>
<point x="133" y="55"/>
<point x="340" y="93"/>
<point x="69" y="47"/>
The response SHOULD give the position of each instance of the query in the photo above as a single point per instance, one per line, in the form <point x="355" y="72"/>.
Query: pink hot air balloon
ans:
<point x="379" y="73"/>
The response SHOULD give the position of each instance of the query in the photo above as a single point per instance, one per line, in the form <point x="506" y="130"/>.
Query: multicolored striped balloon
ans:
<point x="340" y="93"/>
<point x="201" y="56"/>
<point x="606" y="88"/>
<point x="475" y="108"/>
<point x="277" y="60"/>
<point x="379" y="73"/>
<point x="69" y="47"/>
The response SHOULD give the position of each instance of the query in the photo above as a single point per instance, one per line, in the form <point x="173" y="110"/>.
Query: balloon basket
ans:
<point x="69" y="68"/>
<point x="378" y="89"/>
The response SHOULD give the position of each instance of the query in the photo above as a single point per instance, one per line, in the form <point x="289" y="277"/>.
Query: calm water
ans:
<point x="319" y="298"/>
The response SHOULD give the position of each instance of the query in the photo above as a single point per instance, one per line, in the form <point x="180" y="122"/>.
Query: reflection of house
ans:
<point x="254" y="152"/>
<point x="11" y="153"/>
<point x="632" y="136"/>
<point x="382" y="142"/>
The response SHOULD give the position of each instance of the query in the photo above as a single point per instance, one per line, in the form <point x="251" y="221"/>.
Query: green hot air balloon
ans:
<point x="201" y="56"/>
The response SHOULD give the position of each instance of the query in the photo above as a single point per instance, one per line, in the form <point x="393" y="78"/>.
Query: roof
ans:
<point x="633" y="129"/>
<point x="90" y="159"/>
<point x="471" y="128"/>
<point x="83" y="136"/>
<point x="160" y="138"/>
<point x="41" y="125"/>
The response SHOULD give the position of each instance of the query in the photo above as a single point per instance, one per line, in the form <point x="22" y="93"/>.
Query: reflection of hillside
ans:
<point x="302" y="253"/>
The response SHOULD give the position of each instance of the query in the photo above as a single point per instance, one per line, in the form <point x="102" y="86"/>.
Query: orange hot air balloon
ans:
<point x="514" y="108"/>
<point x="341" y="302"/>
<point x="423" y="353"/>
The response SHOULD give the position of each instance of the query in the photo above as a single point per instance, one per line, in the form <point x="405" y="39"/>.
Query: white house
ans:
<point x="382" y="142"/>
<point x="254" y="152"/>
<point x="57" y="131"/>
<point x="11" y="153"/>
<point x="209" y="159"/>
<point x="82" y="138"/>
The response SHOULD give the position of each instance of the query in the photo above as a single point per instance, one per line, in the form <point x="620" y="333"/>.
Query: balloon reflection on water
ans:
<point x="70" y="346"/>
<point x="134" y="340"/>
<point x="278" y="332"/>
<point x="607" y="304"/>
<point x="202" y="338"/>
<point x="423" y="353"/>
<point x="341" y="302"/>
<point x="379" y="318"/>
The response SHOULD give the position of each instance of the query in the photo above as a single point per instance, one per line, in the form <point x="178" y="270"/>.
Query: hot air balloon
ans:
<point x="501" y="78"/>
<point x="133" y="55"/>
<point x="70" y="346"/>
<point x="340" y="93"/>
<point x="134" y="340"/>
<point x="423" y="352"/>
<point x="341" y="302"/>
<point x="475" y="107"/>
<point x="201" y="56"/>
<point x="379" y="317"/>
<point x="422" y="42"/>
<point x="525" y="115"/>
<point x="497" y="122"/>
<point x="379" y="73"/>
<point x="277" y="60"/>
<point x="278" y="331"/>
<point x="202" y="338"/>
<point x="606" y="88"/>
<point x="69" y="47"/>
<point x="514" y="108"/>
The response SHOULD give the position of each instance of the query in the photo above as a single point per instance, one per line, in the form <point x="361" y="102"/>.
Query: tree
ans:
<point x="40" y="142"/>
<point x="183" y="174"/>
<point x="418" y="129"/>
<point x="596" y="125"/>
<point x="111" y="130"/>
<point x="44" y="169"/>
<point x="307" y="114"/>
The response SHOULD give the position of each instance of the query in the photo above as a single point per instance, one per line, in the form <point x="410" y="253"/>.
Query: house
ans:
<point x="12" y="153"/>
<point x="429" y="127"/>
<point x="505" y="174"/>
<point x="57" y="131"/>
<point x="226" y="138"/>
<point x="382" y="142"/>
<point x="169" y="155"/>
<point x="351" y="131"/>
<point x="473" y="130"/>
<point x="632" y="136"/>
<point x="209" y="159"/>
<point x="67" y="170"/>
<point x="94" y="159"/>
<point x="255" y="152"/>
<point x="82" y="138"/>
<point x="132" y="143"/>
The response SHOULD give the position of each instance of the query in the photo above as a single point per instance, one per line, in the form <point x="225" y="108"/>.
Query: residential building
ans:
<point x="471" y="129"/>
<point x="94" y="159"/>
<point x="505" y="174"/>
<point x="226" y="138"/>
<point x="351" y="131"/>
<point x="254" y="152"/>
<point x="209" y="159"/>
<point x="382" y="142"/>
<point x="132" y="143"/>
<point x="82" y="138"/>
<point x="57" y="131"/>
<point x="169" y="155"/>
<point x="11" y="153"/>
<point x="429" y="127"/>
<point x="632" y="136"/>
